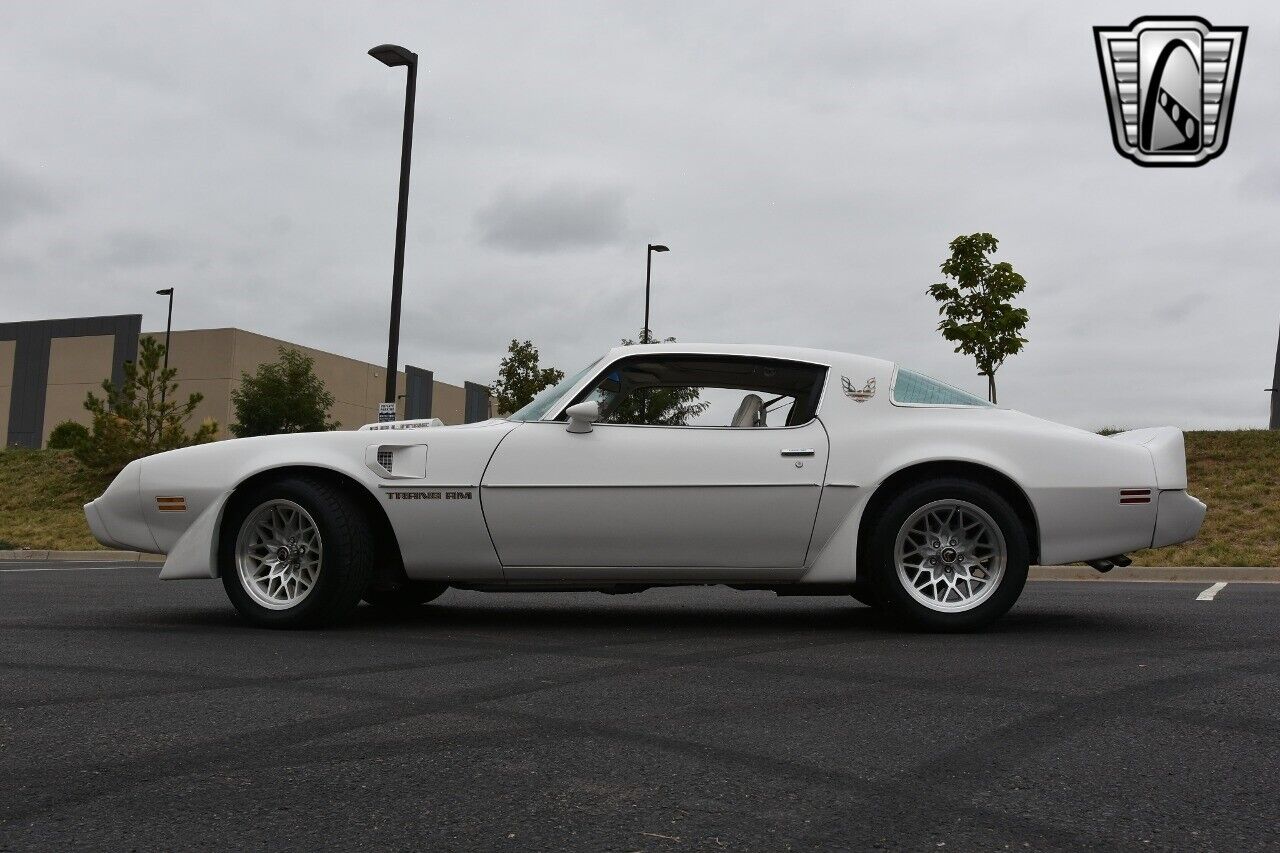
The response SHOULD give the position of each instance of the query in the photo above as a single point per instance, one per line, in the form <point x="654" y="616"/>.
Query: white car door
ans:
<point x="622" y="497"/>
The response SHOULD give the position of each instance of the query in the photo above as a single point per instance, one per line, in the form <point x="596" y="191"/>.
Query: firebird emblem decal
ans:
<point x="859" y="395"/>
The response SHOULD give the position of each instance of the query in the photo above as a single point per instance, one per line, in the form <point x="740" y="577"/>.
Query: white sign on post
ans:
<point x="386" y="412"/>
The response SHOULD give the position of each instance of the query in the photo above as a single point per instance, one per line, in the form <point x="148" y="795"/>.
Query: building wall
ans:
<point x="36" y="381"/>
<point x="203" y="359"/>
<point x="211" y="361"/>
<point x="357" y="386"/>
<point x="7" y="349"/>
<point x="449" y="403"/>
<point x="48" y="366"/>
<point x="76" y="367"/>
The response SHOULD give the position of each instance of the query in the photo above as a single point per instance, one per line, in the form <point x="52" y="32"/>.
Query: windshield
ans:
<point x="546" y="398"/>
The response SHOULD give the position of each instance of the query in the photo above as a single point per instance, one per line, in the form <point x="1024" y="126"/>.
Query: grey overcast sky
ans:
<point x="807" y="163"/>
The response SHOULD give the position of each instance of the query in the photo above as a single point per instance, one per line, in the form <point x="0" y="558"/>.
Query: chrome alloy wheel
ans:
<point x="278" y="554"/>
<point x="950" y="555"/>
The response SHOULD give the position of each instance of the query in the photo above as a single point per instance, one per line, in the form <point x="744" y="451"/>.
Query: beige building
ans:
<point x="48" y="366"/>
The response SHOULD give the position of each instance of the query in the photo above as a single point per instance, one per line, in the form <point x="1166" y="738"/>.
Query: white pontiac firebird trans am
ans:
<point x="761" y="467"/>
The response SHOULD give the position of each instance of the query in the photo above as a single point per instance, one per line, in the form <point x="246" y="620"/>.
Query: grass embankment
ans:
<point x="41" y="495"/>
<point x="1236" y="473"/>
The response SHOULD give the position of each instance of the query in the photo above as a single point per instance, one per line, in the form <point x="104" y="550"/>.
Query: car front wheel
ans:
<point x="295" y="553"/>
<point x="948" y="555"/>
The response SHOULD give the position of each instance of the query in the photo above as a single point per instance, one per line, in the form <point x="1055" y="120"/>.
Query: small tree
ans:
<point x="130" y="421"/>
<point x="520" y="377"/>
<point x="977" y="311"/>
<point x="282" y="396"/>
<point x="659" y="406"/>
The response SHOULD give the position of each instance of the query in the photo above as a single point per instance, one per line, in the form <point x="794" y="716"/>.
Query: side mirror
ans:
<point x="582" y="416"/>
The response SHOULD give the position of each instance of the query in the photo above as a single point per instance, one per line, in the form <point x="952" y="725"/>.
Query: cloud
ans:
<point x="129" y="249"/>
<point x="553" y="218"/>
<point x="22" y="196"/>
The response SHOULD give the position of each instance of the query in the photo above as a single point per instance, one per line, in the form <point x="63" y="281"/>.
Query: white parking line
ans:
<point x="1209" y="593"/>
<point x="75" y="568"/>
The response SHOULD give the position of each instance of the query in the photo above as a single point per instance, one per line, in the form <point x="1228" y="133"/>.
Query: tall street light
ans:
<point x="168" y="327"/>
<point x="648" y="274"/>
<point x="394" y="55"/>
<point x="1275" y="393"/>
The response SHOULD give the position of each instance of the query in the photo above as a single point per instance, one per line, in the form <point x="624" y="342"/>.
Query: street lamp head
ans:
<point x="168" y="291"/>
<point x="653" y="248"/>
<point x="393" y="55"/>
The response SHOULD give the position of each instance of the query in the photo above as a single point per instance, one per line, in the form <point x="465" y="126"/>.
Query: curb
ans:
<point x="81" y="556"/>
<point x="1166" y="574"/>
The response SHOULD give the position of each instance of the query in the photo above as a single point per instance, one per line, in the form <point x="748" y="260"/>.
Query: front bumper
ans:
<point x="98" y="528"/>
<point x="115" y="517"/>
<point x="1178" y="517"/>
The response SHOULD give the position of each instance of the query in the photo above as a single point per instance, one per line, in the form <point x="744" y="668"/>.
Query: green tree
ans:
<point x="520" y="377"/>
<point x="282" y="396"/>
<point x="131" y="421"/>
<point x="658" y="406"/>
<point x="977" y="310"/>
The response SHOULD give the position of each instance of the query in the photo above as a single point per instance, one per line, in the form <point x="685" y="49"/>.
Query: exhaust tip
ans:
<point x="1110" y="563"/>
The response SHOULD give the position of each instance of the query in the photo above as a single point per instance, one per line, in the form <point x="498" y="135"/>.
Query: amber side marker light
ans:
<point x="171" y="504"/>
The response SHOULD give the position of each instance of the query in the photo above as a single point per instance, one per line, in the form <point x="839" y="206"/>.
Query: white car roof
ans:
<point x="829" y="358"/>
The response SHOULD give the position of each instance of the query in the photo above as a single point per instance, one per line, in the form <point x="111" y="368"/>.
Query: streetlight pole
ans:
<point x="648" y="274"/>
<point x="1275" y="392"/>
<point x="393" y="55"/>
<point x="168" y="327"/>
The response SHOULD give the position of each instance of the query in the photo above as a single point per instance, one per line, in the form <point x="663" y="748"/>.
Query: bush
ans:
<point x="68" y="435"/>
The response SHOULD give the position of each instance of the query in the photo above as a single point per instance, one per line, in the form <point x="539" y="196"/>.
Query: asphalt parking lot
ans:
<point x="138" y="714"/>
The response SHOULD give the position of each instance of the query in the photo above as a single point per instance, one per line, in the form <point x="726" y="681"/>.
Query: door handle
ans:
<point x="798" y="451"/>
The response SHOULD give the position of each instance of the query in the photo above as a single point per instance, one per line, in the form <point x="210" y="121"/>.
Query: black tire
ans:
<point x="863" y="595"/>
<point x="406" y="597"/>
<point x="345" y="563"/>
<point x="887" y="587"/>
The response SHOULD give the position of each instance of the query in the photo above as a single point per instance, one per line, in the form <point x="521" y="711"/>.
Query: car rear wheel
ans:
<point x="295" y="553"/>
<point x="404" y="597"/>
<point x="948" y="555"/>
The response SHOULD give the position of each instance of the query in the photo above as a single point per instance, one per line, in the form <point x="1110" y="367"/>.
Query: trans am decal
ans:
<point x="859" y="395"/>
<point x="429" y="495"/>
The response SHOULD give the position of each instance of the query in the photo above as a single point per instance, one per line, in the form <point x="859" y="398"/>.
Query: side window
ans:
<point x="707" y="391"/>
<point x="917" y="389"/>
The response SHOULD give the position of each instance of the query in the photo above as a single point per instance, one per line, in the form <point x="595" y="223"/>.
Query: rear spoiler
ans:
<point x="422" y="423"/>
<point x="1168" y="452"/>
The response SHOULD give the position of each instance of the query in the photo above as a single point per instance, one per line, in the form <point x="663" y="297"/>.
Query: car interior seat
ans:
<point x="750" y="412"/>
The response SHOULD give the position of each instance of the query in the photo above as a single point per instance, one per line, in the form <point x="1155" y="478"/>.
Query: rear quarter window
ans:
<point x="916" y="389"/>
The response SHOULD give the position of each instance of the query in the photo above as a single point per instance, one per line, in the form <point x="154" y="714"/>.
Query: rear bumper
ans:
<point x="1178" y="518"/>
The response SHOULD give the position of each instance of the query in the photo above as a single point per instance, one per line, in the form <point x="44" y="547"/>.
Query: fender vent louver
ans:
<point x="384" y="459"/>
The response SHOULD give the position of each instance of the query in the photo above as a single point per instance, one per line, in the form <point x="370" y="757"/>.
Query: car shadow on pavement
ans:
<point x="818" y="615"/>
<point x="579" y="614"/>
